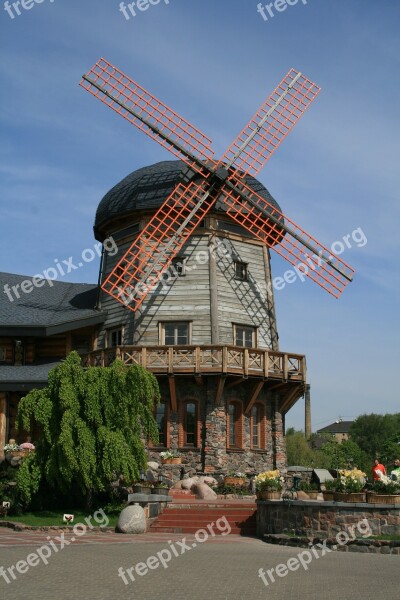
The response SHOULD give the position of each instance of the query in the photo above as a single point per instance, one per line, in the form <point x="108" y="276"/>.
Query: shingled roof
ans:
<point x="337" y="427"/>
<point x="147" y="189"/>
<point x="47" y="310"/>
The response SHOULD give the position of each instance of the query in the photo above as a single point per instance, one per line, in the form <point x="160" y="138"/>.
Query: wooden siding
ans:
<point x="243" y="302"/>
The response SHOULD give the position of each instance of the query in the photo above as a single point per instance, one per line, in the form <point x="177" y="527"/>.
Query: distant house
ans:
<point x="338" y="430"/>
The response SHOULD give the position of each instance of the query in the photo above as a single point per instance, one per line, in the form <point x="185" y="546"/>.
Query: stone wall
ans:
<point x="213" y="456"/>
<point x="324" y="519"/>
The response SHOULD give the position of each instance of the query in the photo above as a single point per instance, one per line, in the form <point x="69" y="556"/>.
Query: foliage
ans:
<point x="298" y="451"/>
<point x="91" y="421"/>
<point x="269" y="480"/>
<point x="377" y="435"/>
<point x="330" y="485"/>
<point x="308" y="486"/>
<point x="11" y="447"/>
<point x="342" y="455"/>
<point x="351" y="481"/>
<point x="236" y="474"/>
<point x="386" y="486"/>
<point x="170" y="454"/>
<point x="237" y="490"/>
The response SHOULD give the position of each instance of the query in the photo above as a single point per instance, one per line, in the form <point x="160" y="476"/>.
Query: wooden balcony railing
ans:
<point x="224" y="360"/>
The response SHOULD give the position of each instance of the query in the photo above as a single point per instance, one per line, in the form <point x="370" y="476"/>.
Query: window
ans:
<point x="241" y="271"/>
<point x="175" y="333"/>
<point x="245" y="335"/>
<point x="235" y="425"/>
<point x="161" y="416"/>
<point x="3" y="352"/>
<point x="258" y="427"/>
<point x="189" y="426"/>
<point x="178" y="266"/>
<point x="114" y="338"/>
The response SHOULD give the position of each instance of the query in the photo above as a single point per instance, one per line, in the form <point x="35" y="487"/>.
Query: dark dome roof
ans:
<point x="147" y="189"/>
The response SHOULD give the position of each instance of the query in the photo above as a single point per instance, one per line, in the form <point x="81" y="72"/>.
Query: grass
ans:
<point x="55" y="518"/>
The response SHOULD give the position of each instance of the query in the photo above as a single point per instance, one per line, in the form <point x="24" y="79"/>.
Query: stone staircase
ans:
<point x="188" y="515"/>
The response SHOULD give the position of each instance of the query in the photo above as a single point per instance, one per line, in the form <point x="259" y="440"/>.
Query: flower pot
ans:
<point x="349" y="497"/>
<point x="235" y="481"/>
<point x="312" y="494"/>
<point x="161" y="491"/>
<point x="328" y="496"/>
<point x="171" y="461"/>
<point x="383" y="498"/>
<point x="15" y="453"/>
<point x="270" y="495"/>
<point x="141" y="488"/>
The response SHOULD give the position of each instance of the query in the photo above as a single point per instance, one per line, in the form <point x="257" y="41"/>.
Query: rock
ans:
<point x="15" y="461"/>
<point x="177" y="485"/>
<point x="150" y="476"/>
<point x="210" y="481"/>
<point x="132" y="520"/>
<point x="188" y="483"/>
<point x="203" y="491"/>
<point x="153" y="465"/>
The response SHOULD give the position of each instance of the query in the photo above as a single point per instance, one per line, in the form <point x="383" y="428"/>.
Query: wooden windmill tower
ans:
<point x="225" y="384"/>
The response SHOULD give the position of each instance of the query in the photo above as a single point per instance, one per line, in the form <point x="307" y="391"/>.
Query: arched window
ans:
<point x="258" y="427"/>
<point x="161" y="415"/>
<point x="189" y="424"/>
<point x="234" y="424"/>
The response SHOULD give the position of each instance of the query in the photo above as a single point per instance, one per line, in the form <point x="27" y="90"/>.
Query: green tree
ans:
<point x="93" y="422"/>
<point x="343" y="455"/>
<point x="374" y="432"/>
<point x="298" y="450"/>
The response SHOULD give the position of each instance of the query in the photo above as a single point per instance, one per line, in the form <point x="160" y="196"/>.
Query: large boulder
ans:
<point x="153" y="465"/>
<point x="188" y="483"/>
<point x="203" y="491"/>
<point x="132" y="520"/>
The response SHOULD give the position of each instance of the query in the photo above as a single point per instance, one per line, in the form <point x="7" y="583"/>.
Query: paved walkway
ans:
<point x="223" y="568"/>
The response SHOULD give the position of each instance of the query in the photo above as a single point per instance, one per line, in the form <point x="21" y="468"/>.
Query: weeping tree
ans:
<point x="93" y="423"/>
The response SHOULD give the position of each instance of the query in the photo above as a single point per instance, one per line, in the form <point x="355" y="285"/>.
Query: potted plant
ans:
<point x="13" y="448"/>
<point x="160" y="488"/>
<point x="269" y="485"/>
<point x="235" y="478"/>
<point x="384" y="491"/>
<point x="329" y="491"/>
<point x="170" y="457"/>
<point x="311" y="489"/>
<point x="142" y="487"/>
<point x="350" y="485"/>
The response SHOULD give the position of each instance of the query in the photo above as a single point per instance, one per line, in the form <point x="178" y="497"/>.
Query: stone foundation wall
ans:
<point x="213" y="456"/>
<point x="325" y="519"/>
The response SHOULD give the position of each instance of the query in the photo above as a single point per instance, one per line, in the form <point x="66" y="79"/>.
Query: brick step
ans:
<point x="204" y="518"/>
<point x="191" y="529"/>
<point x="201" y="511"/>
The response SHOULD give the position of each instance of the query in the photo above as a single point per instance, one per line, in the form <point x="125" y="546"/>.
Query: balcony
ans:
<point x="206" y="360"/>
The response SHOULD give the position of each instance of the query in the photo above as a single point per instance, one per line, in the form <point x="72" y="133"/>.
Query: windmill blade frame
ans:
<point x="151" y="254"/>
<point x="282" y="234"/>
<point x="274" y="120"/>
<point x="149" y="114"/>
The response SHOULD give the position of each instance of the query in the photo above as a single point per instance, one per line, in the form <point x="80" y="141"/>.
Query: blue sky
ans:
<point x="215" y="62"/>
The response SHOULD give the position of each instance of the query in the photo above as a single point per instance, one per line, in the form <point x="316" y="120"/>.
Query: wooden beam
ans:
<point x="254" y="396"/>
<point x="172" y="392"/>
<point x="236" y="382"/>
<point x="199" y="379"/>
<point x="220" y="390"/>
<point x="277" y="386"/>
<point x="287" y="402"/>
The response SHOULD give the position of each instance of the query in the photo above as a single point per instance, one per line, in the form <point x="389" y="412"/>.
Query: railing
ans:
<point x="225" y="360"/>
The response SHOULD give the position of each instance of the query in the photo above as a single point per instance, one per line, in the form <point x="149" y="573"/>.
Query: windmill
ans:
<point x="208" y="181"/>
